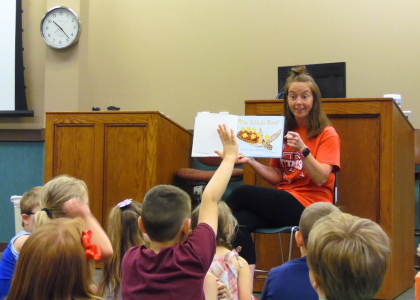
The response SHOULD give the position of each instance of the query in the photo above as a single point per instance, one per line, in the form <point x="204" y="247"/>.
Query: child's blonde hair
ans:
<point x="124" y="232"/>
<point x="311" y="214"/>
<point x="226" y="224"/>
<point x="52" y="264"/>
<point x="30" y="200"/>
<point x="349" y="256"/>
<point x="55" y="193"/>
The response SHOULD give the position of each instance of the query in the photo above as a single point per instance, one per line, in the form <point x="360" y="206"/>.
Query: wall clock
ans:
<point x="61" y="27"/>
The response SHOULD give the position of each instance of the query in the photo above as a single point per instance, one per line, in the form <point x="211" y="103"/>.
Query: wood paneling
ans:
<point x="119" y="155"/>
<point x="376" y="180"/>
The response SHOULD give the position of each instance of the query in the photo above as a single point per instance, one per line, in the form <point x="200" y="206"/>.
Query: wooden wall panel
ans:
<point x="124" y="149"/>
<point x="359" y="148"/>
<point x="74" y="152"/>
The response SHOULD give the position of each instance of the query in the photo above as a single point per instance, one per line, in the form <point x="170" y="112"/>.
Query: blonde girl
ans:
<point x="124" y="232"/>
<point x="53" y="265"/>
<point x="230" y="269"/>
<point x="66" y="196"/>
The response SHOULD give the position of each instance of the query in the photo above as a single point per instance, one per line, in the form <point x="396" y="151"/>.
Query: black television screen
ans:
<point x="330" y="77"/>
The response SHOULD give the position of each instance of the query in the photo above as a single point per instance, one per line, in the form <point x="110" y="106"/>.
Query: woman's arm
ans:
<point x="317" y="172"/>
<point x="270" y="174"/>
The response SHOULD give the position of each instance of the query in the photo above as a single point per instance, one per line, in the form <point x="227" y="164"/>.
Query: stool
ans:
<point x="279" y="231"/>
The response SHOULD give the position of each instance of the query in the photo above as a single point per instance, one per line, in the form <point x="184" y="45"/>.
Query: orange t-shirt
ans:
<point x="326" y="150"/>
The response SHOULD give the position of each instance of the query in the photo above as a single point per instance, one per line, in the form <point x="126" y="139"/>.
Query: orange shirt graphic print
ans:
<point x="292" y="166"/>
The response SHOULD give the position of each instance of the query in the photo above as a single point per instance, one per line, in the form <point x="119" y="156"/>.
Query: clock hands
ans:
<point x="61" y="29"/>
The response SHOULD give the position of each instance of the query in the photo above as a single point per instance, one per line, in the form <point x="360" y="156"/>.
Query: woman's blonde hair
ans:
<point x="226" y="224"/>
<point x="124" y="232"/>
<point x="52" y="264"/>
<point x="317" y="119"/>
<point x="55" y="193"/>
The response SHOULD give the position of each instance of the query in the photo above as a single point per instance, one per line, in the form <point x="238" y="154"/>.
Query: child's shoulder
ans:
<point x="19" y="240"/>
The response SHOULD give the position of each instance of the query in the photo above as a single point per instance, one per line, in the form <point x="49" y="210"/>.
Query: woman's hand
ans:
<point x="295" y="141"/>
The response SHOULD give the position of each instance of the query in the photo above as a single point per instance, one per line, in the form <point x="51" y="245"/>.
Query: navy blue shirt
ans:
<point x="289" y="281"/>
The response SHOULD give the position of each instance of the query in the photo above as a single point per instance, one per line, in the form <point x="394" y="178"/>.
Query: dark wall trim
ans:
<point x="3" y="246"/>
<point x="16" y="113"/>
<point x="22" y="135"/>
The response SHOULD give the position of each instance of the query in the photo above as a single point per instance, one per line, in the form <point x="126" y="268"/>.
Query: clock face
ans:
<point x="60" y="27"/>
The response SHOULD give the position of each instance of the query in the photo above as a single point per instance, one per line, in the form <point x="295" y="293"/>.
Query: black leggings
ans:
<point x="261" y="207"/>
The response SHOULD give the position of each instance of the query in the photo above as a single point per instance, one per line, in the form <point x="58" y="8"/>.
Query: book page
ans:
<point x="261" y="136"/>
<point x="206" y="138"/>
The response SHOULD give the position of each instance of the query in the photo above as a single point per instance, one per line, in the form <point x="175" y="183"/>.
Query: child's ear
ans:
<point x="299" y="239"/>
<point x="186" y="227"/>
<point x="25" y="219"/>
<point x="141" y="226"/>
<point x="314" y="280"/>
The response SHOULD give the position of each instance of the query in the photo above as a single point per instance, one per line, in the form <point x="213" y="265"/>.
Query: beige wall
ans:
<point x="180" y="57"/>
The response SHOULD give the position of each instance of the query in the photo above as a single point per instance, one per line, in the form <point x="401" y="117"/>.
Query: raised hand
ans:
<point x="230" y="144"/>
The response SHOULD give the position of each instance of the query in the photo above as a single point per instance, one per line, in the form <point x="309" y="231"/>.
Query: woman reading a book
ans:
<point x="304" y="175"/>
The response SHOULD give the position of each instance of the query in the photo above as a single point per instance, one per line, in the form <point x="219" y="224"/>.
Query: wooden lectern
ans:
<point x="119" y="155"/>
<point x="376" y="180"/>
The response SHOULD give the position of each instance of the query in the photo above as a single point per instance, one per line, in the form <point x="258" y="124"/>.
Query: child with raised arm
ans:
<point x="231" y="269"/>
<point x="347" y="257"/>
<point x="29" y="205"/>
<point x="290" y="281"/>
<point x="66" y="196"/>
<point x="175" y="264"/>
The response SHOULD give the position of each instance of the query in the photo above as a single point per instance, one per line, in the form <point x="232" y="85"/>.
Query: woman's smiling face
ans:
<point x="300" y="100"/>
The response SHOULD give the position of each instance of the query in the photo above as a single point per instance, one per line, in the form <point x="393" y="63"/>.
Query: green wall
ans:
<point x="21" y="168"/>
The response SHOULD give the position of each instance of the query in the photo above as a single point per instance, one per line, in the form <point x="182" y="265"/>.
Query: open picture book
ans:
<point x="258" y="136"/>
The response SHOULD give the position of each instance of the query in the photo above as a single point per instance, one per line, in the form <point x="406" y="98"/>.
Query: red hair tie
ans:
<point x="91" y="251"/>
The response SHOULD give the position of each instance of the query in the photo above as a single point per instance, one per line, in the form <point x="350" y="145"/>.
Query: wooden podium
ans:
<point x="376" y="180"/>
<point x="119" y="155"/>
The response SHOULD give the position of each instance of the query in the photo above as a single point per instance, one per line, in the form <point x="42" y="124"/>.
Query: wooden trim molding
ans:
<point x="22" y="135"/>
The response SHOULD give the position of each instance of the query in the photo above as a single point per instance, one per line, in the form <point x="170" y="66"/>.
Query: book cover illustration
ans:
<point x="260" y="136"/>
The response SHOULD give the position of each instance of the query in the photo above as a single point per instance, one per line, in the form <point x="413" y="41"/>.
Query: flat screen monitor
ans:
<point x="330" y="77"/>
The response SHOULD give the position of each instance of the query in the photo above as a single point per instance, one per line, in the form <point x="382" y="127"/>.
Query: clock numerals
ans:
<point x="60" y="27"/>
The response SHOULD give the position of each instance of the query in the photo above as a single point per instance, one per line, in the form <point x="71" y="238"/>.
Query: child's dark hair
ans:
<point x="164" y="210"/>
<point x="226" y="224"/>
<point x="124" y="232"/>
<point x="30" y="200"/>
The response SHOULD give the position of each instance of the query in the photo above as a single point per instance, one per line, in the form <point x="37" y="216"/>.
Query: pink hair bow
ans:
<point x="91" y="251"/>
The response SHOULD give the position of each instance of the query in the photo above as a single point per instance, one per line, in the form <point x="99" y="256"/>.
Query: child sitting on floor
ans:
<point x="290" y="281"/>
<point x="66" y="196"/>
<point x="56" y="263"/>
<point x="124" y="233"/>
<point x="29" y="205"/>
<point x="175" y="264"/>
<point x="347" y="257"/>
<point x="231" y="269"/>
